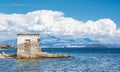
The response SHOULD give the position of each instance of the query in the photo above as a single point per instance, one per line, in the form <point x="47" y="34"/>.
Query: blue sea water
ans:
<point x="81" y="60"/>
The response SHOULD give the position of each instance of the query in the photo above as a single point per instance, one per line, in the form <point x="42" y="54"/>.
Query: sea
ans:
<point x="81" y="60"/>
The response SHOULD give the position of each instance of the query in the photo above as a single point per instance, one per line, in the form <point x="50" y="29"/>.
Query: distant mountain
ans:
<point x="64" y="41"/>
<point x="95" y="46"/>
<point x="112" y="45"/>
<point x="50" y="41"/>
<point x="12" y="42"/>
<point x="56" y="41"/>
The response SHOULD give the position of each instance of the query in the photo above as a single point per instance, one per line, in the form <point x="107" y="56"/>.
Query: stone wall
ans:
<point x="28" y="45"/>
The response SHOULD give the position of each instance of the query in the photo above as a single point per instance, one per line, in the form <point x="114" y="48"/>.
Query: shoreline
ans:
<point x="36" y="56"/>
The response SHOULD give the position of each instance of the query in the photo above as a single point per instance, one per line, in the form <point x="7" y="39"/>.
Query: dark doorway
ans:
<point x="27" y="46"/>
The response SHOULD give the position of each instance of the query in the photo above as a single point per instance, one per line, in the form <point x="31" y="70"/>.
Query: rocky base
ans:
<point x="8" y="56"/>
<point x="36" y="56"/>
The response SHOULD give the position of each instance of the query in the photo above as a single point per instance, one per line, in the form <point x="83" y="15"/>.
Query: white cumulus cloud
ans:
<point x="55" y="23"/>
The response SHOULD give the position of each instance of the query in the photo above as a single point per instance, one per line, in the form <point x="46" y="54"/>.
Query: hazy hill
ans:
<point x="4" y="46"/>
<point x="56" y="41"/>
<point x="95" y="46"/>
<point x="49" y="41"/>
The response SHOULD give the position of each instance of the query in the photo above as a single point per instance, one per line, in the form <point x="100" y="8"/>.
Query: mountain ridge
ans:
<point x="50" y="41"/>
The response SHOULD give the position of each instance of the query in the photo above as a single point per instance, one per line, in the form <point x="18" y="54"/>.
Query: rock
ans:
<point x="43" y="55"/>
<point x="8" y="56"/>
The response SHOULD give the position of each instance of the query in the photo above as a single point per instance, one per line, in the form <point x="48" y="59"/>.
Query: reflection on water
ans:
<point x="79" y="62"/>
<point x="27" y="65"/>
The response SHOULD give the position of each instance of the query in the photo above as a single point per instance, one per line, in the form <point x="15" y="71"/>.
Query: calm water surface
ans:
<point x="82" y="60"/>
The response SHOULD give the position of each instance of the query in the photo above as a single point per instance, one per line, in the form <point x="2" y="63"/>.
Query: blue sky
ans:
<point x="78" y="9"/>
<point x="62" y="21"/>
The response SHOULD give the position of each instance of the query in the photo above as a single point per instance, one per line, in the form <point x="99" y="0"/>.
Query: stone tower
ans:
<point x="28" y="45"/>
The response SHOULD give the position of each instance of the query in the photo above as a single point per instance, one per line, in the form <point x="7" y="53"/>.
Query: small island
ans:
<point x="95" y="46"/>
<point x="28" y="48"/>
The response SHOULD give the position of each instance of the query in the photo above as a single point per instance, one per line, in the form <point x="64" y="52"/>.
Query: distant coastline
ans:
<point x="5" y="46"/>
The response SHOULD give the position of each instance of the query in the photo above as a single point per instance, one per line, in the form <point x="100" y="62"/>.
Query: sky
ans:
<point x="95" y="19"/>
<point x="78" y="9"/>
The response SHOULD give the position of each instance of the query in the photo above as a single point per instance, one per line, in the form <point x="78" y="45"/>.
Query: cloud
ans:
<point x="55" y="23"/>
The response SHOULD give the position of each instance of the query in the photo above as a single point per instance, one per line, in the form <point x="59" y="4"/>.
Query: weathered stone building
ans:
<point x="28" y="48"/>
<point x="28" y="45"/>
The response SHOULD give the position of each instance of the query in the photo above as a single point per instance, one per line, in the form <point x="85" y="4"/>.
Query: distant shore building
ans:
<point x="28" y="45"/>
